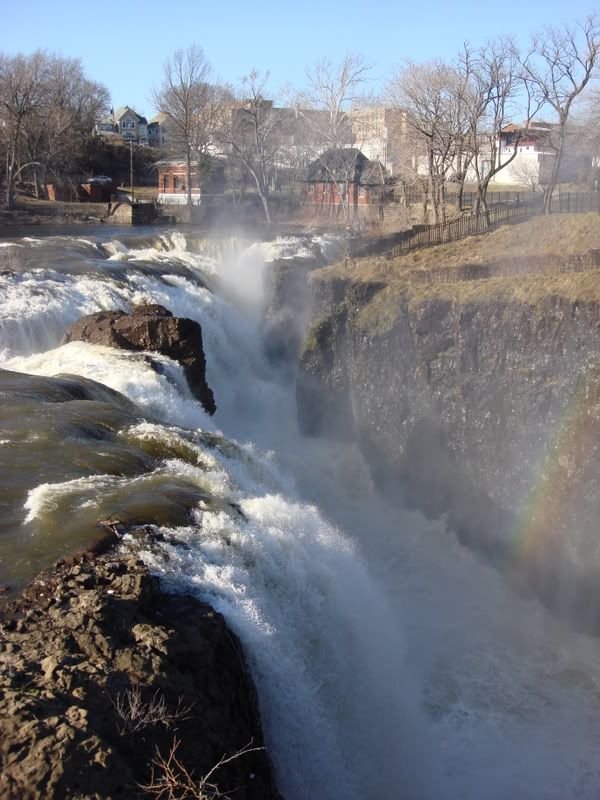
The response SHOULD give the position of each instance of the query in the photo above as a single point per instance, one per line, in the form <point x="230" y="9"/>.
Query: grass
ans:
<point x="555" y="235"/>
<point x="407" y="284"/>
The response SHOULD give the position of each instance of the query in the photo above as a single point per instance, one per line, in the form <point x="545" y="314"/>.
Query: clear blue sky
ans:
<point x="123" y="44"/>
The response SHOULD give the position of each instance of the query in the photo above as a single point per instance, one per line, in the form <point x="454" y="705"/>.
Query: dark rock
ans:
<point x="67" y="675"/>
<point x="154" y="328"/>
<point x="457" y="403"/>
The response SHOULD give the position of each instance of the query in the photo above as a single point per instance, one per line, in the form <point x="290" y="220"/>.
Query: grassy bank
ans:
<point x="526" y="263"/>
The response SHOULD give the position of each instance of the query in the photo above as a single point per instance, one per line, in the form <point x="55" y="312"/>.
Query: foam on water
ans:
<point x="388" y="664"/>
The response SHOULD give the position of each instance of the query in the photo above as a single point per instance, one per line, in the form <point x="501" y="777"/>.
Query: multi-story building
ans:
<point x="124" y="124"/>
<point x="382" y="134"/>
<point x="161" y="131"/>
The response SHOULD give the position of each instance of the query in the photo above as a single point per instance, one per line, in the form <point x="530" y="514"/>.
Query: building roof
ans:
<point x="159" y="118"/>
<point x="120" y="112"/>
<point x="181" y="161"/>
<point x="345" y="163"/>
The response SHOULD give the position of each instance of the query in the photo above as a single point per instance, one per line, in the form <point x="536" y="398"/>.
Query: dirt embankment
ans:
<point x="109" y="685"/>
<point x="28" y="211"/>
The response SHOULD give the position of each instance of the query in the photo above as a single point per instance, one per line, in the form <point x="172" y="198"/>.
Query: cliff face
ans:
<point x="473" y="400"/>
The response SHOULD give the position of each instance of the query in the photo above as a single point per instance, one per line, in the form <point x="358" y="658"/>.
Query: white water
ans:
<point x="390" y="663"/>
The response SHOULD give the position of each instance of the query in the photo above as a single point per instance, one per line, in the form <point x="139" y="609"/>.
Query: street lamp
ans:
<point x="131" y="168"/>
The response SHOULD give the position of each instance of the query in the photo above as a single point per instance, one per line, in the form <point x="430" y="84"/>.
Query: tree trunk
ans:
<point x="188" y="168"/>
<point x="265" y="202"/>
<point x="555" y="172"/>
<point x="11" y="177"/>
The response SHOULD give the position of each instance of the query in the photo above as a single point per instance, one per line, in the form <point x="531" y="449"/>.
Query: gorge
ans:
<point x="367" y="560"/>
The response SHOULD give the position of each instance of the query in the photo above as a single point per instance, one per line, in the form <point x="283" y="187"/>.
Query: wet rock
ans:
<point x="123" y="671"/>
<point x="151" y="327"/>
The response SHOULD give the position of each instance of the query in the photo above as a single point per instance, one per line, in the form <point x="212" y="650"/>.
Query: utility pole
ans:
<point x="131" y="167"/>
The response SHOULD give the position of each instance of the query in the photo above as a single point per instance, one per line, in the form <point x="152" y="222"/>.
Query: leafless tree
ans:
<point x="21" y="91"/>
<point x="47" y="111"/>
<point x="188" y="96"/>
<point x="432" y="96"/>
<point x="494" y="94"/>
<point x="325" y="109"/>
<point x="528" y="173"/>
<point x="558" y="66"/>
<point x="252" y="134"/>
<point x="70" y="104"/>
<point x="587" y="127"/>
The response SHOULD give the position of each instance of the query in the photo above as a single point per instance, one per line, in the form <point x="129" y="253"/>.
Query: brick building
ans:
<point x="344" y="176"/>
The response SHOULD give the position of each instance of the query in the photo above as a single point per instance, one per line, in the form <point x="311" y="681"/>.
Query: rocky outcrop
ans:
<point x="478" y="403"/>
<point x="288" y="311"/>
<point x="152" y="328"/>
<point x="103" y="675"/>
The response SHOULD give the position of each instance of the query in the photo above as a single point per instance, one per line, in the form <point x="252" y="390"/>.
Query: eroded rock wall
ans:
<point x="485" y="410"/>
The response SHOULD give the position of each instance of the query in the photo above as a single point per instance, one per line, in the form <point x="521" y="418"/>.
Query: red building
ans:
<point x="344" y="177"/>
<point x="172" y="182"/>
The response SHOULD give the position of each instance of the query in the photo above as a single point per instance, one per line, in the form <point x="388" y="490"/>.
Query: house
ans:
<point x="207" y="178"/>
<point x="131" y="126"/>
<point x="124" y="124"/>
<point x="534" y="156"/>
<point x="341" y="176"/>
<point x="106" y="128"/>
<point x="161" y="131"/>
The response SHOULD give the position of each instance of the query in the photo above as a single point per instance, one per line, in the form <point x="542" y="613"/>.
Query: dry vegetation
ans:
<point x="536" y="249"/>
<point x="555" y="235"/>
<point x="171" y="780"/>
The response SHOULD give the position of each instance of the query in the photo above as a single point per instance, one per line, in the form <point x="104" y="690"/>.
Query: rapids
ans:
<point x="389" y="661"/>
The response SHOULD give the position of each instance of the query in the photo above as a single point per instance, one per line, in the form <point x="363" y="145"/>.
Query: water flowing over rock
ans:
<point x="151" y="327"/>
<point x="101" y="670"/>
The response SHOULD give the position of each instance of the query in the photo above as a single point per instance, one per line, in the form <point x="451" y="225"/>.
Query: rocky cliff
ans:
<point x="473" y="397"/>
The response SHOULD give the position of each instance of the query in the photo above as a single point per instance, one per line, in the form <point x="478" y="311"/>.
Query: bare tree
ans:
<point x="494" y="93"/>
<point x="252" y="131"/>
<point x="528" y="173"/>
<point x="21" y="90"/>
<point x="432" y="96"/>
<point x="325" y="109"/>
<point x="187" y="95"/>
<point x="558" y="67"/>
<point x="47" y="112"/>
<point x="70" y="105"/>
<point x="588" y="128"/>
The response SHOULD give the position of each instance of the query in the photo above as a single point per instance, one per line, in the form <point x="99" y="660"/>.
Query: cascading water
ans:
<point x="389" y="662"/>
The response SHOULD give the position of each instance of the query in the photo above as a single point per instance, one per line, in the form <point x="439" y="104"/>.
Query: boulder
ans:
<point x="151" y="327"/>
<point x="103" y="673"/>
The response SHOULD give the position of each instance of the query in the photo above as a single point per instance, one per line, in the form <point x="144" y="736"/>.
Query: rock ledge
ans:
<point x="80" y="644"/>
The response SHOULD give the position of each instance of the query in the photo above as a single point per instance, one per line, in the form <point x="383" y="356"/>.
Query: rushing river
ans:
<point x="390" y="663"/>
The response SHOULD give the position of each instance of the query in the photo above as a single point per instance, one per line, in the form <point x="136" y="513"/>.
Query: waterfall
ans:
<point x="389" y="662"/>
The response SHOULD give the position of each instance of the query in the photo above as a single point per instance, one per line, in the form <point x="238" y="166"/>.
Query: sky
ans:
<point x="124" y="44"/>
